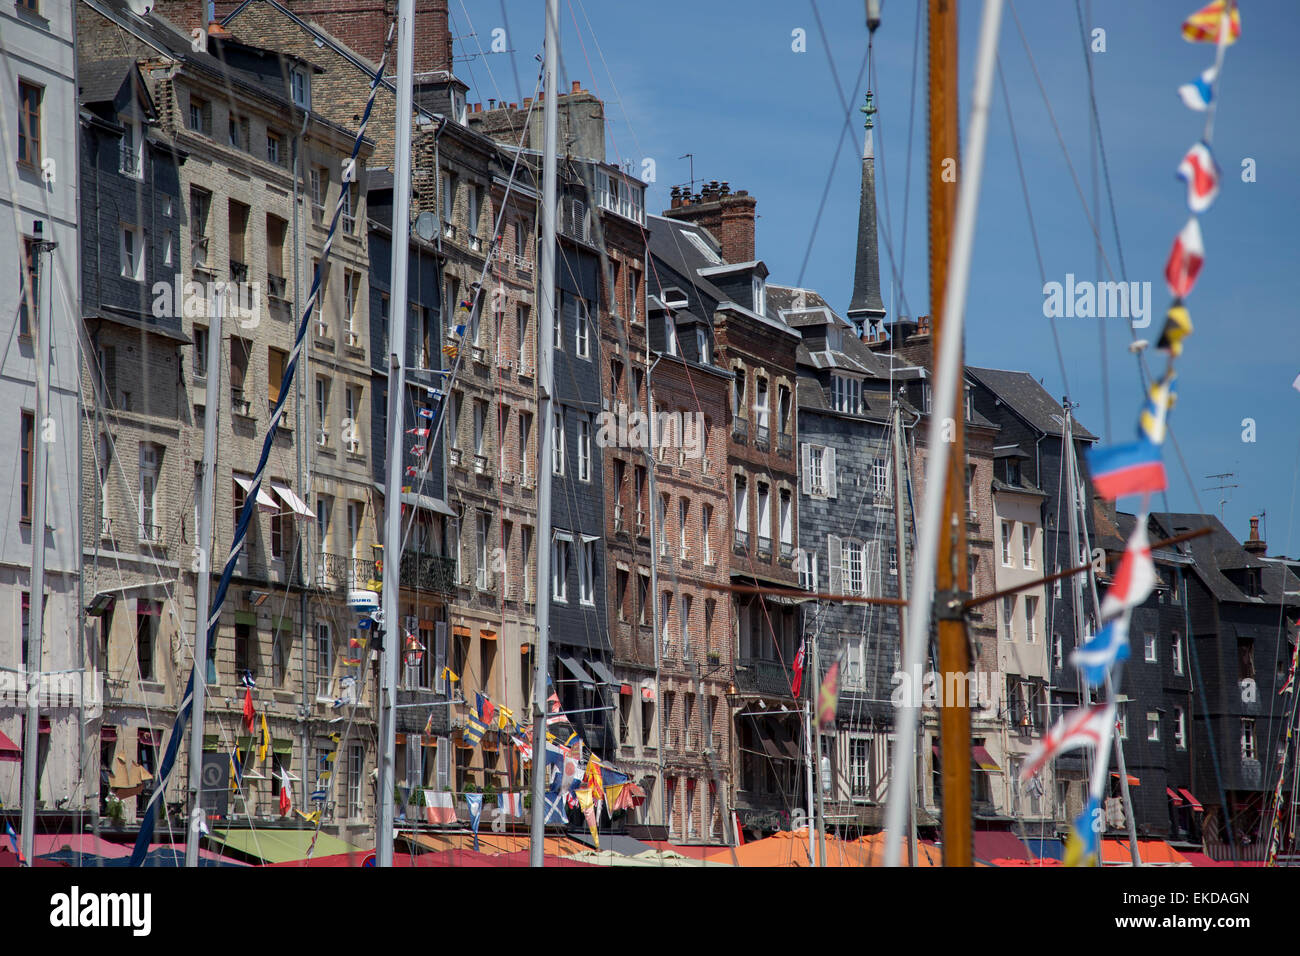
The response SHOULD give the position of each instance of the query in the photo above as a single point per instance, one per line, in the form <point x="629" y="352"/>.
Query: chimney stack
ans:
<point x="728" y="215"/>
<point x="1253" y="544"/>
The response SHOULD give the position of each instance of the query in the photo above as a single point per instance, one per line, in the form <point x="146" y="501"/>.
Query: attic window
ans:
<point x="696" y="240"/>
<point x="760" y="295"/>
<point x="300" y="85"/>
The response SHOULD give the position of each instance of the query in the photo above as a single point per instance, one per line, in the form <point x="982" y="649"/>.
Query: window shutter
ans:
<point x="831" y="476"/>
<point x="805" y="468"/>
<point x="444" y="763"/>
<point x="833" y="547"/>
<point x="440" y="658"/>
<point x="871" y="569"/>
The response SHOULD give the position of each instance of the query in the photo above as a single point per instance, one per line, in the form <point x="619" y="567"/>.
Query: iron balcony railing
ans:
<point x="424" y="572"/>
<point x="740" y="428"/>
<point x="784" y="443"/>
<point x="755" y="676"/>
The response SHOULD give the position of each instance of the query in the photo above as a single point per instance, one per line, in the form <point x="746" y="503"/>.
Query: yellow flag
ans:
<point x="450" y="674"/>
<point x="505" y="717"/>
<point x="266" y="741"/>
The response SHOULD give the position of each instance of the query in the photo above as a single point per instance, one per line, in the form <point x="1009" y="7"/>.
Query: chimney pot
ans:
<point x="577" y="87"/>
<point x="492" y="103"/>
<point x="528" y="100"/>
<point x="1254" y="545"/>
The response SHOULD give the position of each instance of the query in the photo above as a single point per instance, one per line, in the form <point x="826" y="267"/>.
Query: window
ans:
<point x="1008" y="617"/>
<point x="1153" y="725"/>
<point x="742" y="506"/>
<point x="643" y="598"/>
<point x="893" y="560"/>
<point x="280" y="654"/>
<point x="1248" y="739"/>
<point x="557" y="442"/>
<point x="1180" y="729"/>
<point x="665" y="614"/>
<point x="582" y="333"/>
<point x="238" y="127"/>
<point x="324" y="659"/>
<point x="448" y="203"/>
<point x="150" y="456"/>
<point x="199" y="116"/>
<point x="854" y="660"/>
<point x="1058" y="651"/>
<point x="132" y="253"/>
<point x="1006" y="544"/>
<point x="880" y="477"/>
<point x="525" y="453"/>
<point x="859" y="767"/>
<point x="808" y="570"/>
<point x="706" y="532"/>
<point x="760" y="403"/>
<point x="1027" y="544"/>
<point x="521" y="330"/>
<point x="760" y="296"/>
<point x="584" y="449"/>
<point x="1246" y="658"/>
<point x="322" y="410"/>
<point x="587" y="573"/>
<point x="702" y="349"/>
<point x="27" y="425"/>
<point x="29" y="123"/>
<point x="1176" y="652"/>
<point x="852" y="554"/>
<point x="356" y="754"/>
<point x="474" y="199"/>
<point x="764" y="516"/>
<point x="320" y="182"/>
<point x="663" y="525"/>
<point x="351" y="292"/>
<point x="738" y="394"/>
<point x="29" y="296"/>
<point x="560" y="567"/>
<point x="276" y="360"/>
<point x="816" y="477"/>
<point x="1123" y="721"/>
<point x="633" y="293"/>
<point x="349" y="195"/>
<point x="275" y="151"/>
<point x="480" y="427"/>
<point x="1031" y="613"/>
<point x="526" y="550"/>
<point x="200" y="207"/>
<point x="130" y="150"/>
<point x="846" y="394"/>
<point x="483" y="529"/>
<point x="147" y="615"/>
<point x="300" y="87"/>
<point x="685" y="622"/>
<point x="683" y="517"/>
<point x="1149" y="643"/>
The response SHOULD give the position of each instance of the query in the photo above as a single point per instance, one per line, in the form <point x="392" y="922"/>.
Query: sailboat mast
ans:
<point x="938" y="551"/>
<point x="545" y="355"/>
<point x="203" y="586"/>
<point x="900" y="548"/>
<point x="36" y="602"/>
<point x="816" y="742"/>
<point x="392" y="649"/>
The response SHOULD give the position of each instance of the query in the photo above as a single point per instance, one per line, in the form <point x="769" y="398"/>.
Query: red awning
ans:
<point x="1195" y="804"/>
<point x="8" y="749"/>
<point x="1178" y="801"/>
<point x="626" y="690"/>
<point x="1132" y="780"/>
<point x="44" y="727"/>
<point x="994" y="844"/>
<point x="984" y="761"/>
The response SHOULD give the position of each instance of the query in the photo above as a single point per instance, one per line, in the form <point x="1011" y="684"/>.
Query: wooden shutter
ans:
<point x="834" y="563"/>
<point x="275" y="372"/>
<point x="444" y="763"/>
<point x="805" y="468"/>
<point x="440" y="662"/>
<point x="830" y="476"/>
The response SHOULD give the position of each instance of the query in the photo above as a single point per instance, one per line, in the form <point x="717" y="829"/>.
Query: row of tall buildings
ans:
<point x="723" y="453"/>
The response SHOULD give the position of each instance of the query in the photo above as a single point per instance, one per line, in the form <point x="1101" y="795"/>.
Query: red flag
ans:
<point x="798" y="670"/>
<point x="828" y="698"/>
<point x="248" y="710"/>
<point x="285" y="803"/>
<point x="1185" y="260"/>
<point x="488" y="710"/>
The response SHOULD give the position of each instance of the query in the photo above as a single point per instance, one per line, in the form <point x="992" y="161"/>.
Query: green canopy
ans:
<point x="281" y="846"/>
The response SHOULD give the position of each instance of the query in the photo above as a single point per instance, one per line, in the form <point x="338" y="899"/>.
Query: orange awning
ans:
<point x="460" y="630"/>
<point x="487" y="634"/>
<point x="1151" y="852"/>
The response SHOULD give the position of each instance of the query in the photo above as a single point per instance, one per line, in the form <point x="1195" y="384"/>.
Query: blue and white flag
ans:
<point x="511" y="803"/>
<point x="1197" y="94"/>
<point x="1100" y="652"/>
<point x="426" y="413"/>
<point x="246" y="678"/>
<point x="475" y="801"/>
<point x="13" y="841"/>
<point x="555" y="809"/>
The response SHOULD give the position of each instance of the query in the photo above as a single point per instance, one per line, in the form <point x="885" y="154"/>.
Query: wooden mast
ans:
<point x="951" y="574"/>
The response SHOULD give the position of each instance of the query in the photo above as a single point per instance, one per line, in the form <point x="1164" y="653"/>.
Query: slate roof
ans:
<point x="668" y="242"/>
<point x="100" y="82"/>
<point x="1219" y="551"/>
<point x="1027" y="397"/>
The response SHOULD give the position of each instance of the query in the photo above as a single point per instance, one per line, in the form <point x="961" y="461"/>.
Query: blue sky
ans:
<point x="719" y="79"/>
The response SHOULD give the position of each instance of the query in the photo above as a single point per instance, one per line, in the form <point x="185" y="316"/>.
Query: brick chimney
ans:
<point x="1253" y="544"/>
<point x="728" y="215"/>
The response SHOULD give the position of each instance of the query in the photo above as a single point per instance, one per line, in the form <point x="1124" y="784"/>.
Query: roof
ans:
<point x="100" y="82"/>
<point x="1027" y="398"/>
<point x="1220" y="551"/>
<point x="280" y="846"/>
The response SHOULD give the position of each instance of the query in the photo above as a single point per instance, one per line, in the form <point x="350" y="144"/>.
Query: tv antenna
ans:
<point x="691" y="157"/>
<point x="1224" y="485"/>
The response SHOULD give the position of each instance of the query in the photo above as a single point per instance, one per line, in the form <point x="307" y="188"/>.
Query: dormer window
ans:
<point x="702" y="346"/>
<point x="846" y="394"/>
<point x="834" y="338"/>
<point x="670" y="334"/>
<point x="760" y="295"/>
<point x="130" y="156"/>
<point x="300" y="87"/>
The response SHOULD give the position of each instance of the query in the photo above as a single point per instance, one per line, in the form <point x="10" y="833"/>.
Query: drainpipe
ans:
<point x="302" y="478"/>
<point x="654" y="593"/>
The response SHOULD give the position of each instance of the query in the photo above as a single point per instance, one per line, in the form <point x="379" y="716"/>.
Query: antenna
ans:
<point x="691" y="157"/>
<point x="1223" y="486"/>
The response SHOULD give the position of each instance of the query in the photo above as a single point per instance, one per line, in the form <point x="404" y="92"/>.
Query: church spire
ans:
<point x="866" y="309"/>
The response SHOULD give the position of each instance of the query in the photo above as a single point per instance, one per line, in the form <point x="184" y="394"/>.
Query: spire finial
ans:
<point x="869" y="109"/>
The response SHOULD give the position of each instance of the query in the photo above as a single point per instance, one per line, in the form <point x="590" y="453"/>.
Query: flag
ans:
<point x="1185" y="260"/>
<point x="473" y="731"/>
<point x="505" y="718"/>
<point x="475" y="801"/>
<point x="265" y="745"/>
<point x="285" y="787"/>
<point x="449" y="674"/>
<point x="412" y="471"/>
<point x="1178" y="325"/>
<point x="246" y="678"/>
<point x="249" y="713"/>
<point x="797" y="683"/>
<point x="426" y="413"/>
<point x="418" y="432"/>
<point x="524" y="747"/>
<point x="593" y="780"/>
<point x="829" y="696"/>
<point x="357" y="641"/>
<point x="236" y="769"/>
<point x="587" y="802"/>
<point x="1198" y="93"/>
<point x="1082" y="847"/>
<point x="1083" y="727"/>
<point x="489" y="710"/>
<point x="1201" y="174"/>
<point x="1155" y="410"/>
<point x="1290" y="678"/>
<point x="554" y="808"/>
<point x="13" y="842"/>
<point x="572" y="772"/>
<point x="1206" y="24"/>
<point x="428" y="725"/>
<point x="1129" y="469"/>
<point x="1136" y="577"/>
<point x="418" y="451"/>
<point x="511" y="803"/>
<point x="1102" y="650"/>
<point x="439" y="807"/>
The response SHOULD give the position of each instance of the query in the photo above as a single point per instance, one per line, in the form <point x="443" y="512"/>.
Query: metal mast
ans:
<point x="545" y="348"/>
<point x="203" y="587"/>
<point x="392" y="649"/>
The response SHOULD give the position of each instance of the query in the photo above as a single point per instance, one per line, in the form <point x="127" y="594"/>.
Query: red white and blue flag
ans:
<point x="1130" y="469"/>
<point x="1084" y="727"/>
<point x="798" y="670"/>
<point x="511" y="804"/>
<point x="1185" y="260"/>
<point x="426" y="413"/>
<point x="1201" y="173"/>
<point x="1136" y="577"/>
<point x="1100" y="652"/>
<point x="418" y="432"/>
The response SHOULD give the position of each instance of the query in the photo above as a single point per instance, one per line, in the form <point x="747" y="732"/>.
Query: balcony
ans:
<point x="741" y="541"/>
<point x="770" y="678"/>
<point x="762" y="438"/>
<point x="240" y="405"/>
<point x="428" y="572"/>
<point x="784" y="444"/>
<point x="276" y="286"/>
<point x="764" y="547"/>
<point x="150" y="533"/>
<point x="238" y="271"/>
<point x="740" y="429"/>
<point x="338" y="571"/>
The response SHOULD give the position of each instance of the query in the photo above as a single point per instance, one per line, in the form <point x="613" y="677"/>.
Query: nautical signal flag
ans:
<point x="236" y="769"/>
<point x="1100" y="652"/>
<point x="1206" y="24"/>
<point x="412" y="471"/>
<point x="1201" y="174"/>
<point x="1185" y="260"/>
<point x="1136" y="577"/>
<point x="246" y="678"/>
<point x="1178" y="325"/>
<point x="475" y="803"/>
<point x="1154" y="417"/>
<point x="418" y="432"/>
<point x="474" y="730"/>
<point x="449" y="674"/>
<point x="828" y="697"/>
<point x="590" y="810"/>
<point x="249" y="713"/>
<point x="1083" y="846"/>
<point x="265" y="745"/>
<point x="417" y="451"/>
<point x="1082" y="727"/>
<point x="797" y="683"/>
<point x="285" y="787"/>
<point x="1198" y="93"/>
<point x="1129" y="469"/>
<point x="13" y="841"/>
<point x="511" y="804"/>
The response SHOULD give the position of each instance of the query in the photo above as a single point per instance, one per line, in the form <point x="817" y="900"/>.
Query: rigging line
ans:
<point x="514" y="63"/>
<point x="1033" y="228"/>
<point x="911" y="125"/>
<point x="487" y="65"/>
